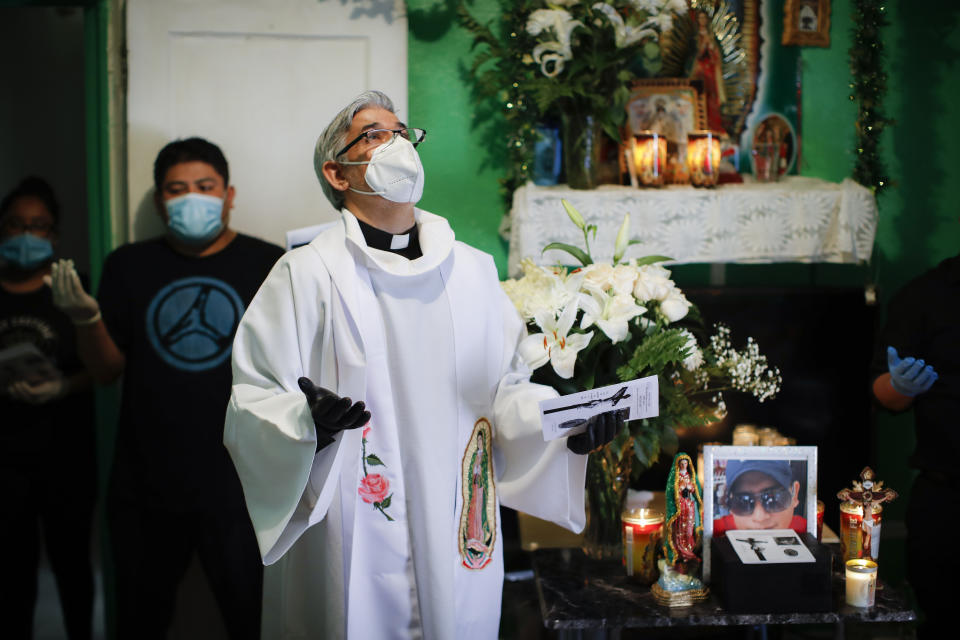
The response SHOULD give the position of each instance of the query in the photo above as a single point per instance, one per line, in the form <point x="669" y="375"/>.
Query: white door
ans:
<point x="261" y="79"/>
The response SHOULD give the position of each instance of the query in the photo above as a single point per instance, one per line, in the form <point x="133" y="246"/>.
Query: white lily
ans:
<point x="556" y="344"/>
<point x="623" y="239"/>
<point x="624" y="35"/>
<point x="611" y="313"/>
<point x="663" y="21"/>
<point x="549" y="57"/>
<point x="649" y="6"/>
<point x="560" y="22"/>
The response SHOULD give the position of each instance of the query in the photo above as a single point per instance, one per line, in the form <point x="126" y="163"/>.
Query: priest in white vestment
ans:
<point x="380" y="518"/>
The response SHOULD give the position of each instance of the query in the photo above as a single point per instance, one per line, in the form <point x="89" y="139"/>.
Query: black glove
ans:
<point x="601" y="429"/>
<point x="331" y="413"/>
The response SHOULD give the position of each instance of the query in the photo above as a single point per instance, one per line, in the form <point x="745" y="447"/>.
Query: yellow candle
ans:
<point x="650" y="157"/>
<point x="861" y="579"/>
<point x="703" y="158"/>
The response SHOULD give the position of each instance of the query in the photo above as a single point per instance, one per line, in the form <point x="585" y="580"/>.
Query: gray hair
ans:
<point x="334" y="137"/>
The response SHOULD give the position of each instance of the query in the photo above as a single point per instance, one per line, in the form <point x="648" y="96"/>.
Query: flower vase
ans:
<point x="608" y="476"/>
<point x="584" y="152"/>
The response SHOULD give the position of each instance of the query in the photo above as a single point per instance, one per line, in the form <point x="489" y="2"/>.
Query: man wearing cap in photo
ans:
<point x="761" y="494"/>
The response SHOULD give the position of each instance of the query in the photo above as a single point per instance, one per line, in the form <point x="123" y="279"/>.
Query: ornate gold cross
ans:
<point x="868" y="493"/>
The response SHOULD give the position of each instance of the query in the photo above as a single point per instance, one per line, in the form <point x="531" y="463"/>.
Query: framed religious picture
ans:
<point x="757" y="488"/>
<point x="773" y="148"/>
<point x="806" y="23"/>
<point x="671" y="108"/>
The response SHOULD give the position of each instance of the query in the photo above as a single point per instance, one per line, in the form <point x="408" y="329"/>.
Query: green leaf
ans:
<point x="386" y="502"/>
<point x="574" y="215"/>
<point x="669" y="442"/>
<point x="650" y="259"/>
<point x="576" y="252"/>
<point x="640" y="455"/>
<point x="374" y="461"/>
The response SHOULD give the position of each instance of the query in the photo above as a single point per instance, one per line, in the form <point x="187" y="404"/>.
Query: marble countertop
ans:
<point x="578" y="593"/>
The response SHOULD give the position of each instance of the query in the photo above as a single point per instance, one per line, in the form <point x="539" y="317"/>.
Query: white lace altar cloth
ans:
<point x="798" y="219"/>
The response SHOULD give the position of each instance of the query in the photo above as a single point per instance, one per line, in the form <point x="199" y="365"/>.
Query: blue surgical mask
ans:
<point x="26" y="251"/>
<point x="194" y="218"/>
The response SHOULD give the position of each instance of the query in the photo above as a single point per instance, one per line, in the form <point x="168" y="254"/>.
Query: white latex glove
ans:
<point x="68" y="293"/>
<point x="39" y="393"/>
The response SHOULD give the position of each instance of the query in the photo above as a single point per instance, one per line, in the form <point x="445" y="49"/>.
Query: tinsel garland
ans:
<point x="868" y="88"/>
<point x="496" y="61"/>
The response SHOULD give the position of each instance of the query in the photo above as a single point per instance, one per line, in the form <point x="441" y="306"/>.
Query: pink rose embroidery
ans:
<point x="373" y="488"/>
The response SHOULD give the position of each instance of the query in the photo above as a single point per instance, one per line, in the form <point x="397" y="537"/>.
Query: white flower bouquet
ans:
<point x="603" y="323"/>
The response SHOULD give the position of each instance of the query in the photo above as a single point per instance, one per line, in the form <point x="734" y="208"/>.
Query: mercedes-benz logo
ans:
<point x="191" y="322"/>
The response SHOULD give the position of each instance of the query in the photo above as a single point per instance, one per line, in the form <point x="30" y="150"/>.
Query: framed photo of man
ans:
<point x="757" y="488"/>
<point x="806" y="23"/>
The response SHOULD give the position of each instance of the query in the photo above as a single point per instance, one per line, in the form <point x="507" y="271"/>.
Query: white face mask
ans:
<point x="394" y="172"/>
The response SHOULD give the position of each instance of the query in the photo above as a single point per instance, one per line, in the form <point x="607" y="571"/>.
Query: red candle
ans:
<point x="641" y="535"/>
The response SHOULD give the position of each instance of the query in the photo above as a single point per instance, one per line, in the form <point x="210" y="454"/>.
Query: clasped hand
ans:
<point x="68" y="293"/>
<point x="36" y="393"/>
<point x="601" y="429"/>
<point x="909" y="376"/>
<point x="331" y="413"/>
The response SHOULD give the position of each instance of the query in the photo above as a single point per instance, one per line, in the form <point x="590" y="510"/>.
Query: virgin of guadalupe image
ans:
<point x="477" y="529"/>
<point x="679" y="584"/>
<point x="708" y="68"/>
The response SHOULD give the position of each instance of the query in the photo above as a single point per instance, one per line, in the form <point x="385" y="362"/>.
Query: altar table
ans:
<point x="579" y="596"/>
<point x="798" y="219"/>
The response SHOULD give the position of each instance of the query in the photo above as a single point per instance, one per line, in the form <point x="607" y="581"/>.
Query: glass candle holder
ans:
<point x="703" y="158"/>
<point x="650" y="158"/>
<point x="820" y="508"/>
<point x="861" y="583"/>
<point x="851" y="531"/>
<point x="745" y="435"/>
<point x="641" y="536"/>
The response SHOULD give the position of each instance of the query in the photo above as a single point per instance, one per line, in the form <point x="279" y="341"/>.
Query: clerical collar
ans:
<point x="406" y="244"/>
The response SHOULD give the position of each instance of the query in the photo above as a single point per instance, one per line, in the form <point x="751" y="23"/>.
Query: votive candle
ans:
<point x="641" y="534"/>
<point x="650" y="157"/>
<point x="861" y="579"/>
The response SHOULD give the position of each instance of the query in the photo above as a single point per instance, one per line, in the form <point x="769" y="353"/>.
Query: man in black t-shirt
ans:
<point x="917" y="366"/>
<point x="168" y="310"/>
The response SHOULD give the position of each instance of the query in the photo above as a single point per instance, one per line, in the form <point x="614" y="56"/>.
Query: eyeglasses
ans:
<point x="15" y="226"/>
<point x="773" y="499"/>
<point x="379" y="137"/>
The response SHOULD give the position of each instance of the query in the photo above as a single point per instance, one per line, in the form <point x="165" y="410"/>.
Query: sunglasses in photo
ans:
<point x="773" y="499"/>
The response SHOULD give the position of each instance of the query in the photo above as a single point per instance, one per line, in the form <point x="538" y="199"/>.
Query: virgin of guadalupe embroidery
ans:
<point x="478" y="514"/>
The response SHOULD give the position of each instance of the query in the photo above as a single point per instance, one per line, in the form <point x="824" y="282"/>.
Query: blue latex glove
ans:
<point x="909" y="376"/>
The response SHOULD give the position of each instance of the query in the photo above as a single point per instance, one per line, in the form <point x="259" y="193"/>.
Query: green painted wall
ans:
<point x="458" y="185"/>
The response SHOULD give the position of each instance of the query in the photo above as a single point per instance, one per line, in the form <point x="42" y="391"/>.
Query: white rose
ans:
<point x="623" y="278"/>
<point x="675" y="306"/>
<point x="653" y="283"/>
<point x="598" y="276"/>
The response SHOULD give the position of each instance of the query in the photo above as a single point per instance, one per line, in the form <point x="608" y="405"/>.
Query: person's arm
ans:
<point x="288" y="480"/>
<point x="99" y="353"/>
<point x="96" y="348"/>
<point x="888" y="397"/>
<point x="905" y="379"/>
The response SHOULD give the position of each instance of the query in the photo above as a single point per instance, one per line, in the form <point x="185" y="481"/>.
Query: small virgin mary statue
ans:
<point x="679" y="584"/>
